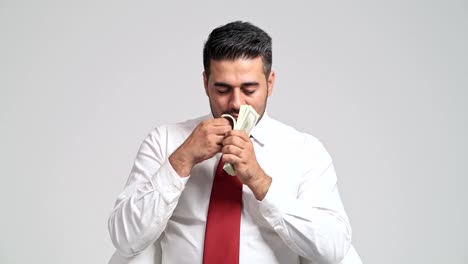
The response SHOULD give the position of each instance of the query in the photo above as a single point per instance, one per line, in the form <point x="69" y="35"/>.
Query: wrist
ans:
<point x="260" y="185"/>
<point x="181" y="162"/>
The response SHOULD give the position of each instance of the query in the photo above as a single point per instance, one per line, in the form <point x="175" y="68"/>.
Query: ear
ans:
<point x="271" y="82"/>
<point x="205" y="82"/>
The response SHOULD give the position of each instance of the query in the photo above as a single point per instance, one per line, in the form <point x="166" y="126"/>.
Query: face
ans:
<point x="234" y="83"/>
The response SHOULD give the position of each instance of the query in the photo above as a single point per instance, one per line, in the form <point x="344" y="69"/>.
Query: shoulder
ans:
<point x="309" y="146"/>
<point x="167" y="137"/>
<point x="296" y="136"/>
<point x="175" y="129"/>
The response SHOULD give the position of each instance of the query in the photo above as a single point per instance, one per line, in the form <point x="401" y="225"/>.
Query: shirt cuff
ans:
<point x="168" y="183"/>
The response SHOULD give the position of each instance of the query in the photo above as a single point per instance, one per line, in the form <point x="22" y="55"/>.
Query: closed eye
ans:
<point x="222" y="88"/>
<point x="223" y="91"/>
<point x="250" y="87"/>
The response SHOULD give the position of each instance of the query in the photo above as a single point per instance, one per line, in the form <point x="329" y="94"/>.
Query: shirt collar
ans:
<point x="261" y="131"/>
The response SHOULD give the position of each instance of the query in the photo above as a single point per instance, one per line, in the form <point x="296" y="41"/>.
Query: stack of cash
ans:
<point x="246" y="120"/>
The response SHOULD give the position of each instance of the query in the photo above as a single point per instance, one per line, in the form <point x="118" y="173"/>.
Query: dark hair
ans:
<point x="237" y="40"/>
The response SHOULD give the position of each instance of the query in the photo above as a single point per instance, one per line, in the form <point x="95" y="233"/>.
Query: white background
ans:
<point x="382" y="84"/>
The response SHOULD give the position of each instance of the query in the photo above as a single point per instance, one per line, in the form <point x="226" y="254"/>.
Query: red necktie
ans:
<point x="222" y="233"/>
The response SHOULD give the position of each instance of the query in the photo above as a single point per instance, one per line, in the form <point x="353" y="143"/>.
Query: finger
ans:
<point x="234" y="140"/>
<point x="221" y="121"/>
<point x="238" y="133"/>
<point x="221" y="130"/>
<point x="233" y="159"/>
<point x="232" y="150"/>
<point x="218" y="139"/>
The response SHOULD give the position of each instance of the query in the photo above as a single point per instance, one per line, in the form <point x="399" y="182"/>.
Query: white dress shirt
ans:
<point x="300" y="220"/>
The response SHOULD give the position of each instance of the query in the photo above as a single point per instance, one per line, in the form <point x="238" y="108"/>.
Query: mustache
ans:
<point x="231" y="112"/>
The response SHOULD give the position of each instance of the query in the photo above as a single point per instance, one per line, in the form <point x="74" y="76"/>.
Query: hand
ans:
<point x="239" y="151"/>
<point x="203" y="143"/>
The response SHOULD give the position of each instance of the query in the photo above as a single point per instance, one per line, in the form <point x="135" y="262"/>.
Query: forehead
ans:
<point x="239" y="69"/>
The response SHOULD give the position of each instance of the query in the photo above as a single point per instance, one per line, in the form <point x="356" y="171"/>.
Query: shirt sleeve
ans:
<point x="313" y="224"/>
<point x="148" y="200"/>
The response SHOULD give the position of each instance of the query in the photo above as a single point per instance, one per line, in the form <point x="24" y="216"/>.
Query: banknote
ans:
<point x="246" y="121"/>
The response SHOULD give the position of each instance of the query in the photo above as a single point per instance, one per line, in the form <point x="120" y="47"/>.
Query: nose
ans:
<point x="236" y="100"/>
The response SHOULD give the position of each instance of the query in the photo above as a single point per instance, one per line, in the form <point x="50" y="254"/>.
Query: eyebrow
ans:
<point x="222" y="84"/>
<point x="246" y="84"/>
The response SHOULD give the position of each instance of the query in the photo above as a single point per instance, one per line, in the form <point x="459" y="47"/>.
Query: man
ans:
<point x="179" y="203"/>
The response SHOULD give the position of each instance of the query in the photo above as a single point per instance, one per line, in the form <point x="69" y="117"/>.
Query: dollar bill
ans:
<point x="246" y="121"/>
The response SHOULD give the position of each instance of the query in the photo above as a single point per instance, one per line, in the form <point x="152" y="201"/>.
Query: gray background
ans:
<point x="382" y="84"/>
